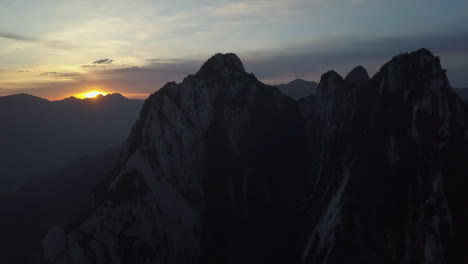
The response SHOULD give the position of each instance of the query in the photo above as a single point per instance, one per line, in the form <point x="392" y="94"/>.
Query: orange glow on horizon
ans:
<point x="90" y="94"/>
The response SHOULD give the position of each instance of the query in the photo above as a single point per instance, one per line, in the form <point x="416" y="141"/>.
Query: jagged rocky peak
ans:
<point x="331" y="77"/>
<point x="393" y="162"/>
<point x="221" y="62"/>
<point x="202" y="177"/>
<point x="419" y="71"/>
<point x="358" y="75"/>
<point x="328" y="84"/>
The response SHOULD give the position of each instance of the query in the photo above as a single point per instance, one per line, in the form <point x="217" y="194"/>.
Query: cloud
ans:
<point x="49" y="74"/>
<point x="257" y="7"/>
<point x="103" y="61"/>
<point x="170" y="60"/>
<point x="308" y="60"/>
<point x="97" y="63"/>
<point x="133" y="69"/>
<point x="17" y="37"/>
<point x="177" y="66"/>
<point x="70" y="76"/>
<point x="45" y="42"/>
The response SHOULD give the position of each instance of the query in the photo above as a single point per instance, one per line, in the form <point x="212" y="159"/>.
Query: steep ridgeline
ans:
<point x="389" y="163"/>
<point x="213" y="172"/>
<point x="224" y="169"/>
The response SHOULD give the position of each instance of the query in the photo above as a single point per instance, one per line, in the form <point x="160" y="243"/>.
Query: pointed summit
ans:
<point x="358" y="76"/>
<point x="220" y="62"/>
<point x="328" y="83"/>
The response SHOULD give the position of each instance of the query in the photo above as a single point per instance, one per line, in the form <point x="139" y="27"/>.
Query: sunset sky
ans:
<point x="55" y="49"/>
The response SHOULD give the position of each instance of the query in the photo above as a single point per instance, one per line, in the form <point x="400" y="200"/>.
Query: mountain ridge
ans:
<point x="63" y="131"/>
<point x="222" y="168"/>
<point x="371" y="194"/>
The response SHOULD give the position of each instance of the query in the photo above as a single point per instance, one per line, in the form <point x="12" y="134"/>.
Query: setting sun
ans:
<point x="91" y="94"/>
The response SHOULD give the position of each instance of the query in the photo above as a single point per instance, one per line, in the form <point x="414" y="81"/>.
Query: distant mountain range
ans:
<point x="222" y="168"/>
<point x="38" y="136"/>
<point x="298" y="88"/>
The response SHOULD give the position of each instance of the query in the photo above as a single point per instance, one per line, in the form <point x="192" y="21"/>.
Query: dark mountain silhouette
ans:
<point x="224" y="169"/>
<point x="389" y="168"/>
<point x="58" y="197"/>
<point x="298" y="88"/>
<point x="40" y="136"/>
<point x="358" y="76"/>
<point x="212" y="169"/>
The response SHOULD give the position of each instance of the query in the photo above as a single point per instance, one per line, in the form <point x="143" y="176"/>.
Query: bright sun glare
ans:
<point x="91" y="94"/>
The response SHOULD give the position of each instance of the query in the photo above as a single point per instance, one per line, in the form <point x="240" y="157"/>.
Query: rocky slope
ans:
<point x="224" y="169"/>
<point x="212" y="172"/>
<point x="390" y="168"/>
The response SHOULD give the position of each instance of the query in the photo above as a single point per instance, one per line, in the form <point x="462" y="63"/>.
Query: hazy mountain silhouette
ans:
<point x="298" y="88"/>
<point x="59" y="197"/>
<point x="40" y="136"/>
<point x="462" y="92"/>
<point x="222" y="168"/>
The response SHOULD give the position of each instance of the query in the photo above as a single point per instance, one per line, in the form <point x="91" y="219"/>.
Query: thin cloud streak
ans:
<point x="103" y="61"/>
<point x="17" y="37"/>
<point x="49" y="43"/>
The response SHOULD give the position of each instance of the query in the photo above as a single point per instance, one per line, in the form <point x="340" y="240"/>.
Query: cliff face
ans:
<point x="224" y="169"/>
<point x="210" y="172"/>
<point x="390" y="169"/>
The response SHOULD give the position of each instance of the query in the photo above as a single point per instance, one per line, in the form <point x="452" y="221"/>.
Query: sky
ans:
<point x="55" y="49"/>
